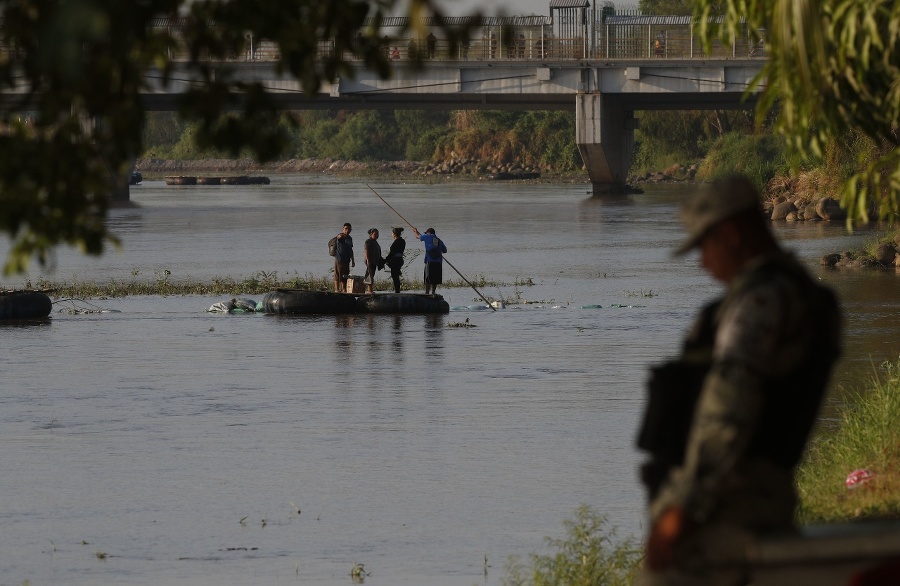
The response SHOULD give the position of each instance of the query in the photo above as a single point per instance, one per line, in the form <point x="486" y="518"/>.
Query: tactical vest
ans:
<point x="790" y="403"/>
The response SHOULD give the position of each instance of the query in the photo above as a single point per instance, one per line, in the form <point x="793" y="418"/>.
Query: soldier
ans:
<point x="728" y="420"/>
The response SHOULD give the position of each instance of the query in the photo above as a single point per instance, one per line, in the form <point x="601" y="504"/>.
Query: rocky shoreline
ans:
<point x="458" y="168"/>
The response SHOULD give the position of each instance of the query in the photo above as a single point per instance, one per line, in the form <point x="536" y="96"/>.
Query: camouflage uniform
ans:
<point x="765" y="352"/>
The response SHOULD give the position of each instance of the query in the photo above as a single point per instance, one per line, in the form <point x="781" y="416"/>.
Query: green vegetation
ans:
<point x="832" y="72"/>
<point x="164" y="284"/>
<point x="545" y="139"/>
<point x="587" y="556"/>
<point x="866" y="437"/>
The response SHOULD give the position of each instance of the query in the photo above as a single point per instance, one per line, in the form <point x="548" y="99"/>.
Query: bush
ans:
<point x="587" y="556"/>
<point x="760" y="157"/>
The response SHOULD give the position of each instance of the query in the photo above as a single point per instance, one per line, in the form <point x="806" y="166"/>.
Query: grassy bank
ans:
<point x="259" y="284"/>
<point x="867" y="436"/>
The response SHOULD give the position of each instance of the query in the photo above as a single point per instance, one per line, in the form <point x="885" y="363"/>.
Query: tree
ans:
<point x="72" y="73"/>
<point x="833" y="70"/>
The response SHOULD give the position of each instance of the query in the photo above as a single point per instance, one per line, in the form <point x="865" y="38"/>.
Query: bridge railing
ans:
<point x="521" y="43"/>
<point x="530" y="49"/>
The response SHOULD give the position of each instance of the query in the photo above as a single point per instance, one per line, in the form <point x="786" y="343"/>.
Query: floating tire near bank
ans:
<point x="408" y="303"/>
<point x="24" y="305"/>
<point x="302" y="301"/>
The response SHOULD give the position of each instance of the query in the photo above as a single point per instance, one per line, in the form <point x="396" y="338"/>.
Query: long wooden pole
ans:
<point x="445" y="258"/>
<point x="470" y="284"/>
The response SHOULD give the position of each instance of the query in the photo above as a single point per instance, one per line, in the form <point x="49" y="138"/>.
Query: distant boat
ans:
<point x="136" y="178"/>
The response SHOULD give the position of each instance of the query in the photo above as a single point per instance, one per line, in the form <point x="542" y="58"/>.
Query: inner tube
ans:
<point x="24" y="305"/>
<point x="303" y="301"/>
<point x="402" y="303"/>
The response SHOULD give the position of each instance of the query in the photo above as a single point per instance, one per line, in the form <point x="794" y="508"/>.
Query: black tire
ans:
<point x="25" y="305"/>
<point x="302" y="301"/>
<point x="410" y="303"/>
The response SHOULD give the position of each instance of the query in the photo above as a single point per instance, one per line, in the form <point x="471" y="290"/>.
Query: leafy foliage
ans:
<point x="759" y="157"/>
<point x="72" y="74"/>
<point x="834" y="67"/>
<point x="587" y="556"/>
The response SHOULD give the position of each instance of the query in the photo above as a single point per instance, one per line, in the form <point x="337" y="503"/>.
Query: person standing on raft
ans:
<point x="343" y="259"/>
<point x="394" y="258"/>
<point x="374" y="262"/>
<point x="434" y="251"/>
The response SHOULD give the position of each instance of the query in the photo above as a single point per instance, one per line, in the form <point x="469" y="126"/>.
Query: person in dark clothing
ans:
<point x="434" y="251"/>
<point x="431" y="45"/>
<point x="343" y="259"/>
<point x="394" y="258"/>
<point x="728" y="420"/>
<point x="374" y="262"/>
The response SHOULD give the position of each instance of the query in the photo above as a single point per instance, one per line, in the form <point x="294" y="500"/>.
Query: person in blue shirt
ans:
<point x="434" y="251"/>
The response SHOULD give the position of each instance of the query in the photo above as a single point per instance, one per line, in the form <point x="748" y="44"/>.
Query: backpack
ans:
<point x="332" y="246"/>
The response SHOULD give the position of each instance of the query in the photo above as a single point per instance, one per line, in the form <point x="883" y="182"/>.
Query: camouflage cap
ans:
<point x="721" y="199"/>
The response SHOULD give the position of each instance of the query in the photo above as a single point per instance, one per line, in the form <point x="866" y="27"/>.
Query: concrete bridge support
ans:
<point x="604" y="128"/>
<point x="120" y="187"/>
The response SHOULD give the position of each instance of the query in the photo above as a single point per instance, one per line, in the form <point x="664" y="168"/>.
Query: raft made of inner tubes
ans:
<point x="402" y="303"/>
<point x="302" y="301"/>
<point x="207" y="180"/>
<point x="24" y="305"/>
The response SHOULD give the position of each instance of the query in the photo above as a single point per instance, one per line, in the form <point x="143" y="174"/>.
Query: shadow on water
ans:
<point x="608" y="199"/>
<point x="24" y="323"/>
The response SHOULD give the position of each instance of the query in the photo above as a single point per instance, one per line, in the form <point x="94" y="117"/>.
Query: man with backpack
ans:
<point x="434" y="250"/>
<point x="341" y="248"/>
<point x="728" y="420"/>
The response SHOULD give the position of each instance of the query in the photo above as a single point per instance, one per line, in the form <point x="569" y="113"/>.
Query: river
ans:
<point x="157" y="443"/>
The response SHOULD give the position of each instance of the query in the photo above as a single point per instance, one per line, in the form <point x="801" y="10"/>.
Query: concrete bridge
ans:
<point x="603" y="66"/>
<point x="603" y="93"/>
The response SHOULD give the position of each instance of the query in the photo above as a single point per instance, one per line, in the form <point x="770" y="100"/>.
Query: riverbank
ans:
<point x="457" y="169"/>
<point x="852" y="470"/>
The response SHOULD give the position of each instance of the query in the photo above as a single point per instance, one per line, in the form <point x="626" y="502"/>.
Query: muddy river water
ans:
<point x="157" y="443"/>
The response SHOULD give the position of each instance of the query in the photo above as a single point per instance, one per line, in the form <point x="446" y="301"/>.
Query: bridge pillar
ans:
<point x="604" y="129"/>
<point x="120" y="187"/>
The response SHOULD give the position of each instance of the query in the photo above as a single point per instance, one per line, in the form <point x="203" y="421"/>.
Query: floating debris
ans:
<point x="82" y="307"/>
<point x="460" y="324"/>
<point x="236" y="306"/>
<point x="358" y="573"/>
<point x="594" y="306"/>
